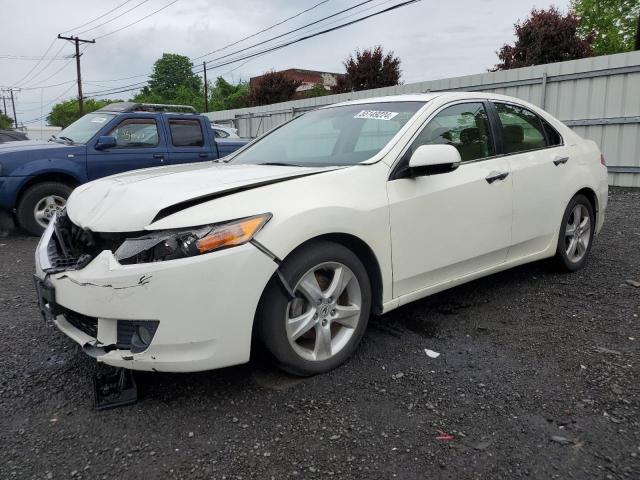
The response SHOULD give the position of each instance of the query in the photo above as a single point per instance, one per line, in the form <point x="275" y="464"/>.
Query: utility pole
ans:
<point x="206" y="88"/>
<point x="77" y="42"/>
<point x="4" y="101"/>
<point x="13" y="105"/>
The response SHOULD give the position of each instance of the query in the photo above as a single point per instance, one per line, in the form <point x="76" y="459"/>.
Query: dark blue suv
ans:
<point x="36" y="178"/>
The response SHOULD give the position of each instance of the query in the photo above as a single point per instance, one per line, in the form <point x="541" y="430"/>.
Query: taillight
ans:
<point x="602" y="160"/>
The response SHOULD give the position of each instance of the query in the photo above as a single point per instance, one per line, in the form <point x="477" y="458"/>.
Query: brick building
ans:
<point x="309" y="79"/>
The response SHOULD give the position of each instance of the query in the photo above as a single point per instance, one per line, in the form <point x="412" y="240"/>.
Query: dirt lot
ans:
<point x="538" y="377"/>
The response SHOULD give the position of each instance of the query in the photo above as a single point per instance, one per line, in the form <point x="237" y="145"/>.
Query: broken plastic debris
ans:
<point x="431" y="353"/>
<point x="442" y="435"/>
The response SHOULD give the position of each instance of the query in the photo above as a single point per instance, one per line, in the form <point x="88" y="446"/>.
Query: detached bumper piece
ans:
<point x="115" y="389"/>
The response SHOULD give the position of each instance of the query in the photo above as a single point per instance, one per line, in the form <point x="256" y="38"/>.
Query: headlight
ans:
<point x="174" y="244"/>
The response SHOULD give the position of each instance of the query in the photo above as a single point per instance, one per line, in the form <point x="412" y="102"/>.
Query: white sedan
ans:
<point x="295" y="240"/>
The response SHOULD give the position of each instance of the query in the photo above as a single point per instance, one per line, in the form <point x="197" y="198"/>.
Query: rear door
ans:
<point x="139" y="145"/>
<point x="449" y="225"/>
<point x="540" y="165"/>
<point x="188" y="142"/>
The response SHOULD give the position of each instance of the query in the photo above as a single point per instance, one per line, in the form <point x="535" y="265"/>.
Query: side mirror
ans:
<point x="434" y="159"/>
<point x="106" y="142"/>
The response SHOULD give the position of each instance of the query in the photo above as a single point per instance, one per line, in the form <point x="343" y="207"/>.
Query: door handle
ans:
<point x="158" y="155"/>
<point x="560" y="160"/>
<point x="203" y="155"/>
<point x="493" y="176"/>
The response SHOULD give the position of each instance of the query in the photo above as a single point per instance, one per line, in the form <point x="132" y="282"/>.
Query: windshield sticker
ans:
<point x="98" y="120"/>
<point x="376" y="114"/>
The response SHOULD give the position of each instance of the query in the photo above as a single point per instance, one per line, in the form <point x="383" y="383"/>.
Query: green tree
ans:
<point x="174" y="82"/>
<point x="614" y="23"/>
<point x="6" y="122"/>
<point x="370" y="68"/>
<point x="226" y="96"/>
<point x="546" y="36"/>
<point x="316" y="91"/>
<point x="65" y="113"/>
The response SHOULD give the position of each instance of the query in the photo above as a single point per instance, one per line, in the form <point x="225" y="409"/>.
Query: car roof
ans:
<point x="428" y="96"/>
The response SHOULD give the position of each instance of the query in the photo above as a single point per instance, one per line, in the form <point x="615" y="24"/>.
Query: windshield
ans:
<point x="344" y="135"/>
<point x="86" y="127"/>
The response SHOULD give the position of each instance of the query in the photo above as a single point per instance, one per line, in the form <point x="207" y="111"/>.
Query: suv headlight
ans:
<point x="174" y="244"/>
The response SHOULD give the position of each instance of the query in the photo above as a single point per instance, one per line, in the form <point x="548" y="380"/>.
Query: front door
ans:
<point x="139" y="145"/>
<point x="449" y="225"/>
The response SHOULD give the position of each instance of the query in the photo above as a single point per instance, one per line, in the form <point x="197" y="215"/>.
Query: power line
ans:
<point x="267" y="50"/>
<point x="112" y="19"/>
<point x="139" y="84"/>
<point x="228" y="45"/>
<point x="263" y="30"/>
<point x="289" y="32"/>
<point x="37" y="63"/>
<point x="98" y="17"/>
<point x="137" y="21"/>
<point x="27" y="57"/>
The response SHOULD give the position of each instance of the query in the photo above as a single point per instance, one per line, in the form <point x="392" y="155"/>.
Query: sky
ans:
<point x="434" y="39"/>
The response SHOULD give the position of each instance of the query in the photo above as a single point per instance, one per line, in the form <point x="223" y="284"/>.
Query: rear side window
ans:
<point x="186" y="133"/>
<point x="136" y="133"/>
<point x="521" y="129"/>
<point x="553" y="137"/>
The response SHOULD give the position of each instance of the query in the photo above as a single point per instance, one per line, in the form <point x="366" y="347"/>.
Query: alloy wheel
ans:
<point x="325" y="312"/>
<point x="577" y="233"/>
<point x="48" y="206"/>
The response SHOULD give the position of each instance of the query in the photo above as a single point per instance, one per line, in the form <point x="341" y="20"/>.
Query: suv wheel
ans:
<point x="39" y="203"/>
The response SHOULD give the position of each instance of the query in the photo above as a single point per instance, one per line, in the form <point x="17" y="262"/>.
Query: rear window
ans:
<point x="186" y="133"/>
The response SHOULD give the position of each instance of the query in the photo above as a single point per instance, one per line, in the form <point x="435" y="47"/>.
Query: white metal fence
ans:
<point x="598" y="97"/>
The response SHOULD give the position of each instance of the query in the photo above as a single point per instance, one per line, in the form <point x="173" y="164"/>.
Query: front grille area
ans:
<point x="129" y="334"/>
<point x="72" y="248"/>
<point x="84" y="323"/>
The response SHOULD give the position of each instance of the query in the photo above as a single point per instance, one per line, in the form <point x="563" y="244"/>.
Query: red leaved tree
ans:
<point x="546" y="36"/>
<point x="370" y="68"/>
<point x="273" y="87"/>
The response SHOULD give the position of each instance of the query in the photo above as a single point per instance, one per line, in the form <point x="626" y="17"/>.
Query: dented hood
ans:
<point x="131" y="201"/>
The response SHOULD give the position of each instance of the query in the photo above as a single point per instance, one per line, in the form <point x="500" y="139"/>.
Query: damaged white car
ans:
<point x="295" y="240"/>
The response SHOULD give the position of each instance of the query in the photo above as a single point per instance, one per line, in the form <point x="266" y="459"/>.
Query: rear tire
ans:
<point x="321" y="327"/>
<point x="576" y="235"/>
<point x="38" y="204"/>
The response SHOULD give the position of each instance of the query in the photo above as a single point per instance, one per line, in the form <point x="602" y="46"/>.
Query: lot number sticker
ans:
<point x="376" y="114"/>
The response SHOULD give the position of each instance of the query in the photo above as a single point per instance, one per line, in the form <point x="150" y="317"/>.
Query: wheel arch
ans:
<point x="592" y="197"/>
<point x="61" y="177"/>
<point x="364" y="253"/>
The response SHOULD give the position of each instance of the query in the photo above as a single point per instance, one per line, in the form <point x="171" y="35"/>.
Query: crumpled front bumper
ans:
<point x="204" y="306"/>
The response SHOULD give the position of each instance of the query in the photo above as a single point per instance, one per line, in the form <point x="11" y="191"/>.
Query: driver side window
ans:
<point x="464" y="126"/>
<point x="136" y="133"/>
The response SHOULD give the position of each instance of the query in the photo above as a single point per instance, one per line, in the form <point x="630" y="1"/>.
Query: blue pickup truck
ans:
<point x="36" y="178"/>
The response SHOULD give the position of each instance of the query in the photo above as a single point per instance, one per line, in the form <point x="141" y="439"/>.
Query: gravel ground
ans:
<point x="537" y="377"/>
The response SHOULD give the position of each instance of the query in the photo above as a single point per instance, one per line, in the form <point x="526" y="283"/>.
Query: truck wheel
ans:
<point x="38" y="204"/>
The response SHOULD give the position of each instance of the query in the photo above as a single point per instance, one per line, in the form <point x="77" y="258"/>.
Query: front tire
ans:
<point x="39" y="203"/>
<point x="576" y="234"/>
<point x="321" y="326"/>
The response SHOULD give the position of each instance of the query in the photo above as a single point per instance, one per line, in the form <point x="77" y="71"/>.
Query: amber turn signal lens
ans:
<point x="232" y="234"/>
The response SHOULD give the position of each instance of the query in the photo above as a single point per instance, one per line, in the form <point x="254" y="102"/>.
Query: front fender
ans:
<point x="74" y="167"/>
